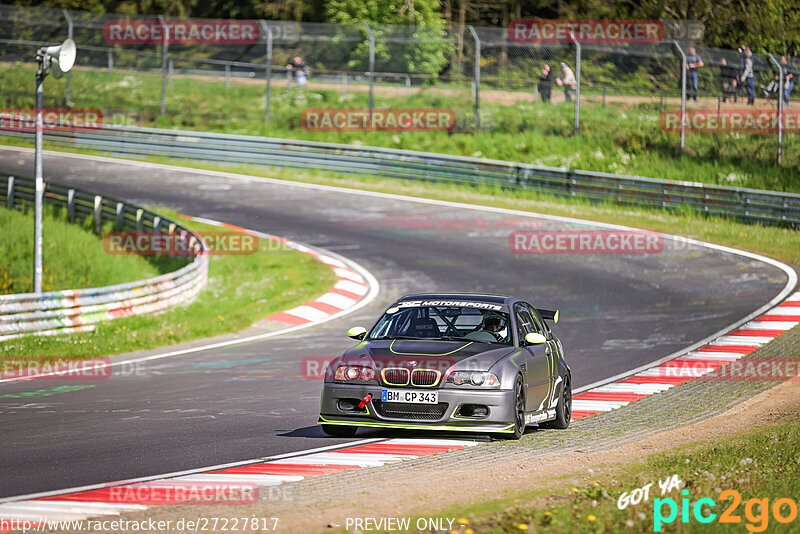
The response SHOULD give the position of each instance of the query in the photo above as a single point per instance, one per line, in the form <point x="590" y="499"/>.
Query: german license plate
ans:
<point x="410" y="396"/>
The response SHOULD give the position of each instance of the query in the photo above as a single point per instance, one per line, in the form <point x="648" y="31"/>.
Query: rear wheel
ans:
<point x="339" y="431"/>
<point x="564" y="408"/>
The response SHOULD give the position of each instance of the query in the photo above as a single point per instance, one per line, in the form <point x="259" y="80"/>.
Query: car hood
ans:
<point x="419" y="354"/>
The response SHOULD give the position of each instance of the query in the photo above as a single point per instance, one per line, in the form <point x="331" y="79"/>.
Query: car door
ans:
<point x="552" y="350"/>
<point x="537" y="372"/>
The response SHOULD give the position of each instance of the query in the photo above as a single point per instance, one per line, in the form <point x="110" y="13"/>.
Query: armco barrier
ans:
<point x="751" y="205"/>
<point x="72" y="310"/>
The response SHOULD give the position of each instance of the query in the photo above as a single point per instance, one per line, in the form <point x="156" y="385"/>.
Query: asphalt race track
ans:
<point x="619" y="311"/>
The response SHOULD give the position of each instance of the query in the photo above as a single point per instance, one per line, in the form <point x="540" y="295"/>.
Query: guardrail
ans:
<point x="71" y="310"/>
<point x="751" y="205"/>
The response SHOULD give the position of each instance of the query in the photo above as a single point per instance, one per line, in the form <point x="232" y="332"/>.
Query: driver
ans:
<point x="492" y="329"/>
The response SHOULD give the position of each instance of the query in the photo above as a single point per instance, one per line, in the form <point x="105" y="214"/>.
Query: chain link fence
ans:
<point x="468" y="69"/>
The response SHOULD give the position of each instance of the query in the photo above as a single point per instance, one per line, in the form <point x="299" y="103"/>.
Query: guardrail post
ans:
<point x="344" y="83"/>
<point x="227" y="75"/>
<point x="164" y="64"/>
<point x="110" y="62"/>
<point x="98" y="213"/>
<point x="170" y="70"/>
<point x="71" y="205"/>
<point x="10" y="193"/>
<point x="156" y="223"/>
<point x="578" y="82"/>
<point x="604" y="96"/>
<point x="120" y="215"/>
<point x="477" y="75"/>
<point x="371" y="65"/>
<point x="780" y="107"/>
<point x="268" y="32"/>
<point x="68" y="95"/>
<point x="683" y="94"/>
<point x="139" y="214"/>
<point x="408" y="85"/>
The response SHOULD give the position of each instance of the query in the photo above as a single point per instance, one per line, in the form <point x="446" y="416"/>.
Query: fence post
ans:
<point x="164" y="52"/>
<point x="10" y="193"/>
<point x="110" y="62"/>
<point x="68" y="96"/>
<point x="120" y="216"/>
<point x="477" y="75"/>
<point x="98" y="213"/>
<point x="371" y="65"/>
<point x="683" y="94"/>
<point x="408" y="85"/>
<point x="578" y="82"/>
<point x="268" y="32"/>
<point x="71" y="205"/>
<point x="227" y="74"/>
<point x="780" y="107"/>
<point x="344" y="83"/>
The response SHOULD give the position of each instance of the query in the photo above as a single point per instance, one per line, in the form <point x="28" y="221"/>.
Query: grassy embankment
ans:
<point x="623" y="138"/>
<point x="241" y="288"/>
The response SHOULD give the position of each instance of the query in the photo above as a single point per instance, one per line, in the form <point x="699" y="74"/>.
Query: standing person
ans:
<point x="545" y="83"/>
<point x="728" y="76"/>
<point x="693" y="62"/>
<point x="299" y="69"/>
<point x="748" y="75"/>
<point x="566" y="78"/>
<point x="789" y="79"/>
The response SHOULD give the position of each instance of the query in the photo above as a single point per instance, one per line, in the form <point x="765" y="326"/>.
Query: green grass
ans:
<point x="762" y="463"/>
<point x="72" y="256"/>
<point x="622" y="138"/>
<point x="241" y="290"/>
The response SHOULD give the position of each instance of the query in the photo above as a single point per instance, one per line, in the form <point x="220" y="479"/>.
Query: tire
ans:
<point x="340" y="431"/>
<point x="519" y="411"/>
<point x="564" y="408"/>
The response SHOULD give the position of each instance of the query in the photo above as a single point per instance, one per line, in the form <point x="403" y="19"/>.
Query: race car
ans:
<point x="485" y="364"/>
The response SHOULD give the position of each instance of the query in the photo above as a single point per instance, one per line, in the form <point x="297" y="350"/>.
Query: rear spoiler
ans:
<point x="549" y="315"/>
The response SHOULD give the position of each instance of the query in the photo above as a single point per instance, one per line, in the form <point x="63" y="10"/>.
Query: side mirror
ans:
<point x="357" y="332"/>
<point x="535" y="339"/>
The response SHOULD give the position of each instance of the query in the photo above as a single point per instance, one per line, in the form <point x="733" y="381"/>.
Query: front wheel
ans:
<point x="564" y="408"/>
<point x="519" y="410"/>
<point x="339" y="431"/>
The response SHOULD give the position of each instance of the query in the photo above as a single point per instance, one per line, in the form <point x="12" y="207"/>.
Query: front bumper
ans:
<point x="500" y="404"/>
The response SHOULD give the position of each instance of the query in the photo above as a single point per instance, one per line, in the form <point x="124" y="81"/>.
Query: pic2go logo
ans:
<point x="756" y="511"/>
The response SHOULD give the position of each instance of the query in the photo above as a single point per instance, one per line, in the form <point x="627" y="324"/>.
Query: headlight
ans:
<point x="345" y="373"/>
<point x="474" y="378"/>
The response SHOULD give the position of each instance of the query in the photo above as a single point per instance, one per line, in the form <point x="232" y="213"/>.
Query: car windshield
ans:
<point x="443" y="323"/>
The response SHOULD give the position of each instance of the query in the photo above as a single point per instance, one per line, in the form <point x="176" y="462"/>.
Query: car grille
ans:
<point x="399" y="376"/>
<point x="395" y="376"/>
<point x="400" y="410"/>
<point x="424" y="377"/>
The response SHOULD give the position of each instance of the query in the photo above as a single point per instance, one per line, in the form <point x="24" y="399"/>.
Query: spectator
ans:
<point x="567" y="79"/>
<point x="789" y="78"/>
<point x="299" y="69"/>
<point x="748" y="75"/>
<point x="545" y="83"/>
<point x="728" y="76"/>
<point x="693" y="62"/>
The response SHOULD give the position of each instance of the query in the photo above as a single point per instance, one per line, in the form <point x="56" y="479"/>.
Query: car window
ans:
<point x="538" y="322"/>
<point x="524" y="321"/>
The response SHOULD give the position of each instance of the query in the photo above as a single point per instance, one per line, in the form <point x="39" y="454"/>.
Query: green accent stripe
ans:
<point x="509" y="428"/>
<point x="391" y="348"/>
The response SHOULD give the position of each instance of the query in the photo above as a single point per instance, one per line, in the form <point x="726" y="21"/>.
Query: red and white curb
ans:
<point x="104" y="500"/>
<point x="694" y="364"/>
<point x="350" y="288"/>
